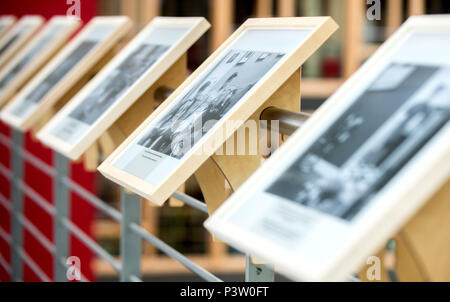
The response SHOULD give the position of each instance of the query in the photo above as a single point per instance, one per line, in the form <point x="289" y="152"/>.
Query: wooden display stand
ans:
<point x="235" y="170"/>
<point x="423" y="245"/>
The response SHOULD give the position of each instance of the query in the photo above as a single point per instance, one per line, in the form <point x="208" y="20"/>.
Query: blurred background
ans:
<point x="181" y="227"/>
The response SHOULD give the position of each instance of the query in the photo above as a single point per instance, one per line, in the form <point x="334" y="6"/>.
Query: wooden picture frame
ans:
<point x="64" y="75"/>
<point x="323" y="238"/>
<point x="35" y="54"/>
<point x="6" y="23"/>
<point x="300" y="37"/>
<point x="18" y="36"/>
<point x="165" y="39"/>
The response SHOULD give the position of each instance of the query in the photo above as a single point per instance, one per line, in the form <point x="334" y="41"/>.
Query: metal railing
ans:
<point x="129" y="217"/>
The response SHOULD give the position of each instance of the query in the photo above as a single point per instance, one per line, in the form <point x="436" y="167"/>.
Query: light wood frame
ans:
<point x="195" y="27"/>
<point x="33" y="23"/>
<point x="8" y="21"/>
<point x="322" y="28"/>
<point x="68" y="24"/>
<point x="76" y="78"/>
<point x="424" y="179"/>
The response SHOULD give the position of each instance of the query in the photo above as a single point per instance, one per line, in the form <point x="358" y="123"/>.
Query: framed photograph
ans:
<point x="6" y="23"/>
<point x="34" y="55"/>
<point x="136" y="68"/>
<point x="18" y="36"/>
<point x="73" y="62"/>
<point x="358" y="170"/>
<point x="229" y="86"/>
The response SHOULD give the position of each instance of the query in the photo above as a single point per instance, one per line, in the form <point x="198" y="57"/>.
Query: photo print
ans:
<point x="362" y="151"/>
<point x="10" y="42"/>
<point x="40" y="45"/>
<point x="36" y="95"/>
<point x="208" y="101"/>
<point x="109" y="91"/>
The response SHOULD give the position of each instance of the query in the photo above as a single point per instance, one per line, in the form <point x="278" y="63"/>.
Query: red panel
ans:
<point x="82" y="213"/>
<point x="47" y="8"/>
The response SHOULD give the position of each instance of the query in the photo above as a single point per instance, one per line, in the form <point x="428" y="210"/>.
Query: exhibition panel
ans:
<point x="230" y="85"/>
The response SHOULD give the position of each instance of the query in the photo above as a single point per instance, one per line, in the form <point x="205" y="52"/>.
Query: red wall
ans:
<point x="82" y="213"/>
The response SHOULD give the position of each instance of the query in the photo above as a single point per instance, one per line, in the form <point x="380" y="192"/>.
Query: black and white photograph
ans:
<point x="208" y="101"/>
<point x="117" y="82"/>
<point x="37" y="94"/>
<point x="40" y="45"/>
<point x="10" y="42"/>
<point x="362" y="151"/>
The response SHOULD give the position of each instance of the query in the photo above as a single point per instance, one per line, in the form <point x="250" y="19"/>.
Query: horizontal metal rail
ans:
<point x="190" y="201"/>
<point x="38" y="163"/>
<point x="37" y="198"/>
<point x="5" y="203"/>
<point x="5" y="236"/>
<point x="168" y="250"/>
<point x="94" y="246"/>
<point x="5" y="265"/>
<point x="6" y="141"/>
<point x="46" y="243"/>
<point x="288" y="121"/>
<point x="5" y="171"/>
<point x="33" y="266"/>
<point x="93" y="200"/>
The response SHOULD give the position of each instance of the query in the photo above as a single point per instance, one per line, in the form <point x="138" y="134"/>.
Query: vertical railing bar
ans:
<point x="130" y="242"/>
<point x="17" y="204"/>
<point x="61" y="196"/>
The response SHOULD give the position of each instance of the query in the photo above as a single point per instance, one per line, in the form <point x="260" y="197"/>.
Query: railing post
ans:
<point x="258" y="272"/>
<point x="17" y="204"/>
<point x="61" y="199"/>
<point x="130" y="242"/>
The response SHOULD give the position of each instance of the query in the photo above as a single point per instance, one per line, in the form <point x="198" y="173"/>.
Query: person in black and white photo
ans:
<point x="209" y="100"/>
